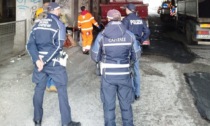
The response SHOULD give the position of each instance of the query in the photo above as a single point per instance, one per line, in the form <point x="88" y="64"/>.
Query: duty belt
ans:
<point x="108" y="65"/>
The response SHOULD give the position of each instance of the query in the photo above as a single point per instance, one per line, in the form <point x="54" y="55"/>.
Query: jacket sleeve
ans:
<point x="79" y="23"/>
<point x="136" y="50"/>
<point x="32" y="48"/>
<point x="58" y="40"/>
<point x="146" y="32"/>
<point x="93" y="21"/>
<point x="96" y="49"/>
<point x="125" y="22"/>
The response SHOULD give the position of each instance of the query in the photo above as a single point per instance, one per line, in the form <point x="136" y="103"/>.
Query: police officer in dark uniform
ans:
<point x="116" y="49"/>
<point x="139" y="28"/>
<point x="45" y="48"/>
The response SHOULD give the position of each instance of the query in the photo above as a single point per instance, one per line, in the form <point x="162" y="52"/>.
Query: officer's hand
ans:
<point x="39" y="64"/>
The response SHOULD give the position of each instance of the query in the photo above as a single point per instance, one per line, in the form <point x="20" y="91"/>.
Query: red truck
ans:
<point x="141" y="10"/>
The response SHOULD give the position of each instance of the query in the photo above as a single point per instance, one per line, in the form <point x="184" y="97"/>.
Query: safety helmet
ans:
<point x="39" y="11"/>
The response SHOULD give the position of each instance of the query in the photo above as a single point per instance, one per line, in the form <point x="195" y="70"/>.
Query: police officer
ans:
<point x="116" y="48"/>
<point x="137" y="26"/>
<point x="45" y="48"/>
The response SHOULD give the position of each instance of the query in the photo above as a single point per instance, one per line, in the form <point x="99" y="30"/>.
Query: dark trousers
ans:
<point x="59" y="76"/>
<point x="124" y="91"/>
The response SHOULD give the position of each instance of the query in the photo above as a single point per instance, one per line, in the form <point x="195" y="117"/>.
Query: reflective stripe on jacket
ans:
<point x="46" y="39"/>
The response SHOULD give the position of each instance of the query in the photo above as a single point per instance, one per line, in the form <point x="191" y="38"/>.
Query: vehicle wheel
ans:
<point x="178" y="30"/>
<point x="189" y="36"/>
<point x="146" y="47"/>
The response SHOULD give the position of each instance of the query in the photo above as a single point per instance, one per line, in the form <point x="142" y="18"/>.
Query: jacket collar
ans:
<point x="53" y="15"/>
<point x="84" y="12"/>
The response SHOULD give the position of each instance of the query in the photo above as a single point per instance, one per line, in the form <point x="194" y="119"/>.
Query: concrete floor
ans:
<point x="165" y="97"/>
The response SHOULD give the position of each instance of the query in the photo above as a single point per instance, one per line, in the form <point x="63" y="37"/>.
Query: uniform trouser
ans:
<point x="59" y="76"/>
<point x="136" y="78"/>
<point x="87" y="38"/>
<point x="109" y="90"/>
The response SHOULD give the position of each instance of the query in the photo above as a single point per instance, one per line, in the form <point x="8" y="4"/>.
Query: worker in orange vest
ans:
<point x="41" y="12"/>
<point x="85" y="24"/>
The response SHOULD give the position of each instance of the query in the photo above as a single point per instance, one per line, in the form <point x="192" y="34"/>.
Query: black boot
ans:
<point x="72" y="123"/>
<point x="137" y="97"/>
<point x="37" y="122"/>
<point x="86" y="52"/>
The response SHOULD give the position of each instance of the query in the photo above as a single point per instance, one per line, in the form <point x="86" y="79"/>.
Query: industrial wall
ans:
<point x="69" y="9"/>
<point x="25" y="10"/>
<point x="0" y="9"/>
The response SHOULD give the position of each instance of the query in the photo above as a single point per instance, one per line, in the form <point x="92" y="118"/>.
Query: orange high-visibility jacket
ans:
<point x="85" y="22"/>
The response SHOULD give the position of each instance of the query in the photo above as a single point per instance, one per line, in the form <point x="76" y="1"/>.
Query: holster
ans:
<point x="132" y="70"/>
<point x="98" y="69"/>
<point x="63" y="58"/>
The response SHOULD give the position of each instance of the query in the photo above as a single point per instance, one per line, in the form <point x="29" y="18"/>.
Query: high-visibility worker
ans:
<point x="41" y="12"/>
<point x="85" y="24"/>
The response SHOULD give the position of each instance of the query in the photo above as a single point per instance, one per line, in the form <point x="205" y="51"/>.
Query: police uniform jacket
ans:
<point x="46" y="40"/>
<point x="116" y="48"/>
<point x="137" y="26"/>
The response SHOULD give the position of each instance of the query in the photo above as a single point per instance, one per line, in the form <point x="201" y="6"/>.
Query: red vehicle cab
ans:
<point x="141" y="10"/>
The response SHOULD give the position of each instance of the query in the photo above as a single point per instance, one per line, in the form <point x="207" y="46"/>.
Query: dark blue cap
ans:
<point x="53" y="6"/>
<point x="131" y="7"/>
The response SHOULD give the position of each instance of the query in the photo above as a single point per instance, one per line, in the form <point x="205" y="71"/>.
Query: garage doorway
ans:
<point x="7" y="10"/>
